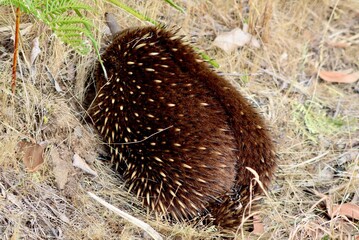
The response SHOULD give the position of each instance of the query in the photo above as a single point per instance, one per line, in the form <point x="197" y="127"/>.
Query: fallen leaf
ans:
<point x="35" y="51"/>
<point x="339" y="77"/>
<point x="341" y="44"/>
<point x="32" y="154"/>
<point x="60" y="168"/>
<point x="346" y="209"/>
<point x="258" y="227"/>
<point x="234" y="39"/>
<point x="53" y="80"/>
<point x="255" y="42"/>
<point x="80" y="163"/>
<point x="350" y="210"/>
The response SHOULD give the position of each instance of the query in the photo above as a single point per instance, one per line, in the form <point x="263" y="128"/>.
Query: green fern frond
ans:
<point x="60" y="7"/>
<point x="65" y="19"/>
<point x="24" y="5"/>
<point x="72" y="29"/>
<point x="298" y="113"/>
<point x="312" y="120"/>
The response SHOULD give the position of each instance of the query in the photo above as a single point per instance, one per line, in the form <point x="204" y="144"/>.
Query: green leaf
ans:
<point x="207" y="58"/>
<point x="133" y="12"/>
<point x="170" y="2"/>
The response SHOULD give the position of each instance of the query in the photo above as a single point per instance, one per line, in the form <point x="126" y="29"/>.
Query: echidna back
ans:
<point x="184" y="135"/>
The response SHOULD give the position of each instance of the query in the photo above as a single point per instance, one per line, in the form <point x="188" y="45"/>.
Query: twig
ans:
<point x="153" y="134"/>
<point x="16" y="49"/>
<point x="155" y="235"/>
<point x="310" y="161"/>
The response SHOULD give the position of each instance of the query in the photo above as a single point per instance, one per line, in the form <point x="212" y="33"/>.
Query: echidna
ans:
<point x="184" y="135"/>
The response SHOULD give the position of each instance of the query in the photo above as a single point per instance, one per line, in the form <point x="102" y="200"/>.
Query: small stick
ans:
<point x="147" y="228"/>
<point x="16" y="48"/>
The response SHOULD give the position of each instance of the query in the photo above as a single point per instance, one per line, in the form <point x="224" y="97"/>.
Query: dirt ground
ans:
<point x="314" y="122"/>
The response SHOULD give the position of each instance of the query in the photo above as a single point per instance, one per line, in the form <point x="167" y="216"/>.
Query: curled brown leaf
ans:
<point x="33" y="154"/>
<point x="347" y="209"/>
<point x="258" y="226"/>
<point x="339" y="77"/>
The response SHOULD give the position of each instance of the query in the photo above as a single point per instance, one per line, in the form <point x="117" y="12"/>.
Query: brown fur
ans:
<point x="184" y="133"/>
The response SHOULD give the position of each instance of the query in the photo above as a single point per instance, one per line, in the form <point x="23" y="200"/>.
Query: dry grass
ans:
<point x="314" y="124"/>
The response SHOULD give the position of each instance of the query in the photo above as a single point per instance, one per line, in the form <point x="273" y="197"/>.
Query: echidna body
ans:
<point x="183" y="134"/>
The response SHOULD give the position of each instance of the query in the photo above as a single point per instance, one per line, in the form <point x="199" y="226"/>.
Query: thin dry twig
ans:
<point x="147" y="228"/>
<point x="16" y="49"/>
